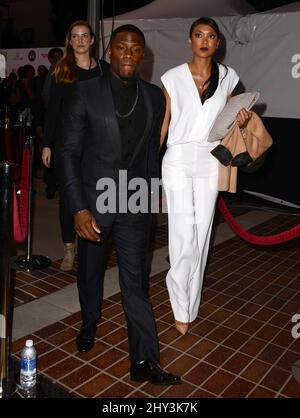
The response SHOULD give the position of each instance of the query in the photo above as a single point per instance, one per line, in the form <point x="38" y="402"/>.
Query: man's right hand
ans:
<point x="86" y="226"/>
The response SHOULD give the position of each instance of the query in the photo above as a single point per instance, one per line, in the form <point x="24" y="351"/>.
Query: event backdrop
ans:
<point x="264" y="49"/>
<point x="15" y="58"/>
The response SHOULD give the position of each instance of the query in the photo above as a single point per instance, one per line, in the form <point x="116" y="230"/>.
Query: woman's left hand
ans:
<point x="243" y="117"/>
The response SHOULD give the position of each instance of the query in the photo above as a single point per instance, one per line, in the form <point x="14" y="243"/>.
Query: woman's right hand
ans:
<point x="243" y="118"/>
<point x="46" y="156"/>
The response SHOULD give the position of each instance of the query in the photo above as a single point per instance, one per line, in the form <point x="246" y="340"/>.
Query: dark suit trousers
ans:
<point x="130" y="234"/>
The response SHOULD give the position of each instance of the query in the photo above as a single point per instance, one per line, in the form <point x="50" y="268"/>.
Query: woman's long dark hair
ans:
<point x="65" y="69"/>
<point x="214" y="76"/>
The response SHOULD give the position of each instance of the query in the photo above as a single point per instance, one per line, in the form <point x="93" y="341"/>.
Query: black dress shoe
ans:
<point x="85" y="340"/>
<point x="152" y="372"/>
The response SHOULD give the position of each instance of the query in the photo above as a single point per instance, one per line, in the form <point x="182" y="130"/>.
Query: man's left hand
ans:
<point x="85" y="225"/>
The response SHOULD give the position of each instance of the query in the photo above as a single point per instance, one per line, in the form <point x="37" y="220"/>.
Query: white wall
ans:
<point x="264" y="49"/>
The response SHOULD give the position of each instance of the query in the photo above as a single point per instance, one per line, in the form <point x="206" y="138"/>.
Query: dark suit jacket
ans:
<point x="91" y="142"/>
<point x="54" y="96"/>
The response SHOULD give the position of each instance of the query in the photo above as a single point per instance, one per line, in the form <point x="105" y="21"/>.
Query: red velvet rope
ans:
<point x="256" y="239"/>
<point x="18" y="168"/>
<point x="20" y="211"/>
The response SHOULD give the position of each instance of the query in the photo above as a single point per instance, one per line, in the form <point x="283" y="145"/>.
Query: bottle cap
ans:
<point x="29" y="343"/>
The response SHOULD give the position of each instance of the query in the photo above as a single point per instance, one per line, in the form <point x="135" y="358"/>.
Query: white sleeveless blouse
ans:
<point x="191" y="121"/>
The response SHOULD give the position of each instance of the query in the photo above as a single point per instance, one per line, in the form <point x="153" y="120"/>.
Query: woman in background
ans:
<point x="196" y="92"/>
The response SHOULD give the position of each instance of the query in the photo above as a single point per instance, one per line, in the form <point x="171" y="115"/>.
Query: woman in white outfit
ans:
<point x="196" y="92"/>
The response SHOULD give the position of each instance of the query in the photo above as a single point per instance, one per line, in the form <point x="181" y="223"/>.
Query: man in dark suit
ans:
<point x="112" y="124"/>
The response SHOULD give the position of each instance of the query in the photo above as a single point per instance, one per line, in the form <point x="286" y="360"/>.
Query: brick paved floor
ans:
<point x="240" y="345"/>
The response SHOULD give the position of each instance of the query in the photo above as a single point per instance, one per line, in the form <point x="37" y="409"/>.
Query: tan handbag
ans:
<point x="243" y="149"/>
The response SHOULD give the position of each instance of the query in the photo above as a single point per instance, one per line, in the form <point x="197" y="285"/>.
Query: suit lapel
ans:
<point x="109" y="112"/>
<point x="149" y="119"/>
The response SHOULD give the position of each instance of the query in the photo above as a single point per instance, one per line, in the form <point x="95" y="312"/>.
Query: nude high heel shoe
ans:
<point x="68" y="260"/>
<point x="182" y="327"/>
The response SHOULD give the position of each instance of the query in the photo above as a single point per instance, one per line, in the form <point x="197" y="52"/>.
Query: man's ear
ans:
<point x="190" y="41"/>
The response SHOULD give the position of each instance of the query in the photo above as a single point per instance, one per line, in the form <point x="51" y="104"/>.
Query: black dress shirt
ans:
<point x="132" y="126"/>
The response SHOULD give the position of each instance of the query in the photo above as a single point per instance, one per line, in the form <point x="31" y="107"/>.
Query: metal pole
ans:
<point x="93" y="19"/>
<point x="5" y="274"/>
<point x="28" y="247"/>
<point x="29" y="262"/>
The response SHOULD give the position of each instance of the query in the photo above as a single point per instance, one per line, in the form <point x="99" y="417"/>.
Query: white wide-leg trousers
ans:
<point x="190" y="180"/>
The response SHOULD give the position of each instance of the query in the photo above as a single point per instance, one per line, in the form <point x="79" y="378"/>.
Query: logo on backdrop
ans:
<point x="17" y="57"/>
<point x="296" y="68"/>
<point x="31" y="55"/>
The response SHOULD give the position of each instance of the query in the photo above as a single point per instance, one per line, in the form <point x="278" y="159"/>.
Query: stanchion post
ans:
<point x="29" y="262"/>
<point x="29" y="142"/>
<point x="5" y="275"/>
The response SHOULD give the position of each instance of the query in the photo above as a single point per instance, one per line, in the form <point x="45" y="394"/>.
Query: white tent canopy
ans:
<point x="189" y="8"/>
<point x="264" y="49"/>
<point x="287" y="8"/>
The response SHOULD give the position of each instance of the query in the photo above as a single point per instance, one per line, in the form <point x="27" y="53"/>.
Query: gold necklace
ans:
<point x="200" y="86"/>
<point x="133" y="106"/>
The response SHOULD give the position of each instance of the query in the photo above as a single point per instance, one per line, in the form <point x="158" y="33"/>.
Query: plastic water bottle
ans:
<point x="28" y="367"/>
